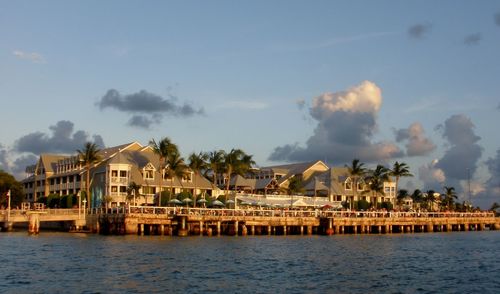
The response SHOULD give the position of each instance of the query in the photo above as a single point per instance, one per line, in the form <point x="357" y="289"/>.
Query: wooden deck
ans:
<point x="201" y="221"/>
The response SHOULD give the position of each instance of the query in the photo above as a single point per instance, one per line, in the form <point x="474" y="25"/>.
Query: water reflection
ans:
<point x="59" y="262"/>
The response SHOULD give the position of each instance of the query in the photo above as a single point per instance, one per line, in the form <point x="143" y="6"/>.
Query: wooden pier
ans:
<point x="200" y="221"/>
<point x="177" y="221"/>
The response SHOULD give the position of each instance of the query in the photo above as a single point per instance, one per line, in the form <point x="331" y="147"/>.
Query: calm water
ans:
<point x="466" y="262"/>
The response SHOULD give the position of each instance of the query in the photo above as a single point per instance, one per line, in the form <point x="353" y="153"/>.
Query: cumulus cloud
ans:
<point x="62" y="139"/>
<point x="463" y="152"/>
<point x="496" y="17"/>
<point x="33" y="56"/>
<point x="472" y="39"/>
<point x="19" y="165"/>
<point x="491" y="189"/>
<point x="4" y="165"/>
<point x="419" y="31"/>
<point x="346" y="125"/>
<point x="417" y="144"/>
<point x="146" y="107"/>
<point x="432" y="176"/>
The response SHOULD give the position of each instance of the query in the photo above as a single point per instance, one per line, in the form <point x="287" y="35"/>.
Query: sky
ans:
<point x="286" y="81"/>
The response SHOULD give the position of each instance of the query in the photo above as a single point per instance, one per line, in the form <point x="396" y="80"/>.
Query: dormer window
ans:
<point x="361" y="185"/>
<point x="348" y="184"/>
<point x="188" y="177"/>
<point x="149" y="172"/>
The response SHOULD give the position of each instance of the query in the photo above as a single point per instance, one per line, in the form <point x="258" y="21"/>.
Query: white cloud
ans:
<point x="347" y="122"/>
<point x="366" y="97"/>
<point x="417" y="143"/>
<point x="432" y="176"/>
<point x="33" y="56"/>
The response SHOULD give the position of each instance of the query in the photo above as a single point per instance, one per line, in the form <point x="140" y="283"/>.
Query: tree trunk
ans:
<point x="194" y="192"/>
<point x="87" y="186"/>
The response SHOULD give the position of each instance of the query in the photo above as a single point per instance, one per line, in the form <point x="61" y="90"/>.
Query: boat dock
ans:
<point x="175" y="221"/>
<point x="183" y="221"/>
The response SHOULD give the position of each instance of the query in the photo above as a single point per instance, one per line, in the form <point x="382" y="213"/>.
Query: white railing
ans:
<point x="287" y="213"/>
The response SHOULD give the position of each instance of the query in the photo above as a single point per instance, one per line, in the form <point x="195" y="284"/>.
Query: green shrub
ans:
<point x="53" y="201"/>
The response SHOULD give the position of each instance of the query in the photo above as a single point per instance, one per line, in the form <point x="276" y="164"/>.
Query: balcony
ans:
<point x="116" y="180"/>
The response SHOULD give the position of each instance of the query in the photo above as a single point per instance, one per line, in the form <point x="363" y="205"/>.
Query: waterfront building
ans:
<point x="334" y="184"/>
<point x="110" y="177"/>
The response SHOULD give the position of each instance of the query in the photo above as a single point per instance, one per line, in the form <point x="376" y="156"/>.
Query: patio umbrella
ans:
<point x="230" y="201"/>
<point x="187" y="200"/>
<point x="202" y="201"/>
<point x="217" y="203"/>
<point x="175" y="201"/>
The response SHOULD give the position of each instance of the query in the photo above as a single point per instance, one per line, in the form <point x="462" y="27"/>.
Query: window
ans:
<point x="187" y="177"/>
<point x="114" y="173"/>
<point x="348" y="184"/>
<point x="149" y="174"/>
<point x="123" y="174"/>
<point x="148" y="190"/>
<point x="361" y="186"/>
<point x="123" y="189"/>
<point x="114" y="189"/>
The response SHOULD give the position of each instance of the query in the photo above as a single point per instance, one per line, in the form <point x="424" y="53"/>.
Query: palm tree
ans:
<point x="295" y="186"/>
<point x="417" y="196"/>
<point x="402" y="194"/>
<point x="133" y="191"/>
<point x="236" y="162"/>
<point x="162" y="149"/>
<point x="356" y="171"/>
<point x="88" y="156"/>
<point x="215" y="162"/>
<point x="376" y="179"/>
<point x="429" y="199"/>
<point x="176" y="168"/>
<point x="400" y="170"/>
<point x="449" y="197"/>
<point x="197" y="163"/>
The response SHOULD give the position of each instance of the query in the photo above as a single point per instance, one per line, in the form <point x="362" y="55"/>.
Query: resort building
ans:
<point x="110" y="177"/>
<point x="332" y="184"/>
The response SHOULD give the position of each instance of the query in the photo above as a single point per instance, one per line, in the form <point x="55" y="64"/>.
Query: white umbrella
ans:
<point x="174" y="201"/>
<point x="217" y="203"/>
<point x="202" y="201"/>
<point x="187" y="200"/>
<point x="230" y="201"/>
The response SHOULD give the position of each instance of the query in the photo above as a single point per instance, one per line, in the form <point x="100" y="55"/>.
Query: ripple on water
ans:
<point x="421" y="263"/>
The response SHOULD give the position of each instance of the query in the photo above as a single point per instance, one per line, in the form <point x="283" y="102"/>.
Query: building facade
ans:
<point x="111" y="177"/>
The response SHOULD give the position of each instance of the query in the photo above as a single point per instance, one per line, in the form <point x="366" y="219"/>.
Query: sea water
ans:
<point x="457" y="262"/>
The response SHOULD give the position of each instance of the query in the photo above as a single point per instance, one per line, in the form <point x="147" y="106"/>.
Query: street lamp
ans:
<point x="79" y="195"/>
<point x="84" y="205"/>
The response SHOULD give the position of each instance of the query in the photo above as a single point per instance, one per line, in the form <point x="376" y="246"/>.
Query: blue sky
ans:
<point x="264" y="76"/>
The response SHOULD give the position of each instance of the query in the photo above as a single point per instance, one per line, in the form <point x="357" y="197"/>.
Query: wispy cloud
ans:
<point x="31" y="56"/>
<point x="419" y="31"/>
<point x="472" y="39"/>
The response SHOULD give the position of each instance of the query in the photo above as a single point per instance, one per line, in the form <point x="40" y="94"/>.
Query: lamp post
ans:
<point x="79" y="195"/>
<point x="84" y="205"/>
<point x="8" y="206"/>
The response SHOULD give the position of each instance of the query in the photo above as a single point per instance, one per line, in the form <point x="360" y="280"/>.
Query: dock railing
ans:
<point x="284" y="212"/>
